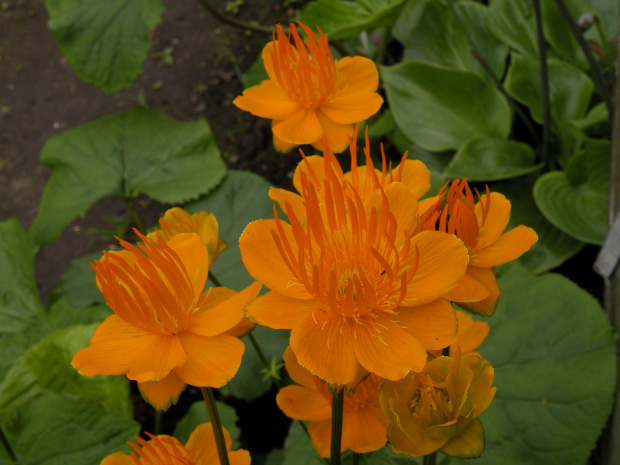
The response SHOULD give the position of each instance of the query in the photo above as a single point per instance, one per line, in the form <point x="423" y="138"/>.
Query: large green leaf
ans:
<point x="553" y="246"/>
<point x="197" y="414"/>
<point x="342" y="19"/>
<point x="46" y="367"/>
<point x="104" y="41"/>
<point x="60" y="430"/>
<point x="513" y="22"/>
<point x="575" y="200"/>
<point x="78" y="284"/>
<point x="555" y="371"/>
<point x="126" y="154"/>
<point x="440" y="108"/>
<point x="443" y="33"/>
<point x="569" y="88"/>
<point x="488" y="159"/>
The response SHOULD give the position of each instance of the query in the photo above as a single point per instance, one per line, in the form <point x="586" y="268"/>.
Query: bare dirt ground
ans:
<point x="40" y="97"/>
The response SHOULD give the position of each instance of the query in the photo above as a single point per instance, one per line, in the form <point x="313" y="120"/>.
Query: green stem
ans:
<point x="337" y="407"/>
<point x="544" y="79"/>
<point x="385" y="38"/>
<point x="430" y="459"/>
<point x="207" y="394"/>
<point x="356" y="458"/>
<point x="134" y="214"/>
<point x="263" y="360"/>
<point x="235" y="22"/>
<point x="7" y="447"/>
<point x="214" y="280"/>
<point x="159" y="418"/>
<point x="597" y="72"/>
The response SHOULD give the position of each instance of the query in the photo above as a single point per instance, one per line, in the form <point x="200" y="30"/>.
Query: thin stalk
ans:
<point x="430" y="459"/>
<point x="597" y="72"/>
<point x="207" y="394"/>
<point x="214" y="280"/>
<point x="134" y="214"/>
<point x="337" y="407"/>
<point x="159" y="419"/>
<point x="356" y="458"/>
<point x="7" y="447"/>
<point x="544" y="80"/>
<point x="235" y="22"/>
<point x="263" y="359"/>
<point x="385" y="38"/>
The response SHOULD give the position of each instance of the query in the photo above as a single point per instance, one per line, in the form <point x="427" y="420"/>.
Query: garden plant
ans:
<point x="399" y="302"/>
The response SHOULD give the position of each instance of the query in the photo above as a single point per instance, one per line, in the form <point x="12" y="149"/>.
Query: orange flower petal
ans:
<point x="241" y="329"/>
<point x="402" y="444"/>
<point x="118" y="458"/>
<point x="433" y="324"/>
<point x="487" y="306"/>
<point x="163" y="393"/>
<point x="469" y="444"/>
<point x="300" y="403"/>
<point x="387" y="350"/>
<point x="238" y="457"/>
<point x="194" y="256"/>
<point x="267" y="56"/>
<point x="401" y="203"/>
<point x="263" y="261"/>
<point x="282" y="196"/>
<point x="267" y="100"/>
<point x="416" y="176"/>
<point x="210" y="319"/>
<point x="313" y="168"/>
<point x="278" y="311"/>
<point x="201" y="444"/>
<point x="321" y="433"/>
<point x="442" y="264"/>
<point x="469" y="289"/>
<point x="364" y="430"/>
<point x="350" y="108"/>
<point x="496" y="221"/>
<point x="471" y="334"/>
<point x="302" y="127"/>
<point x="118" y="348"/>
<point x="336" y="136"/>
<point x="322" y="343"/>
<point x="509" y="246"/>
<point x="298" y="373"/>
<point x="357" y="75"/>
<point x="279" y="144"/>
<point x="211" y="361"/>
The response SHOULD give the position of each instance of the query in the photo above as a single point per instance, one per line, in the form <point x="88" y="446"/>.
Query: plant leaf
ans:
<point x="126" y="154"/>
<point x="104" y="41"/>
<point x="343" y="19"/>
<point x="451" y="106"/>
<point x="570" y="89"/>
<point x="485" y="158"/>
<point x="513" y="22"/>
<point x="575" y="200"/>
<point x="439" y="37"/>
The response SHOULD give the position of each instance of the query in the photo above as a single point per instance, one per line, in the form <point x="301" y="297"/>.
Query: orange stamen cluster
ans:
<point x="160" y="450"/>
<point x="455" y="213"/>
<point x="156" y="293"/>
<point x="307" y="74"/>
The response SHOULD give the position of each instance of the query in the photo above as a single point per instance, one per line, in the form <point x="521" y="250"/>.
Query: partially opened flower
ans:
<point x="470" y="335"/>
<point x="358" y="291"/>
<point x="178" y="221"/>
<point x="165" y="332"/>
<point x="310" y="97"/>
<point x="438" y="408"/>
<point x="166" y="450"/>
<point x="364" y="427"/>
<point x="481" y="227"/>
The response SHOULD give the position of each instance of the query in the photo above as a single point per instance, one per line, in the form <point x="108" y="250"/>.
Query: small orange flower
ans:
<point x="438" y="408"/>
<point x="178" y="221"/>
<point x="481" y="227"/>
<point x="165" y="332"/>
<point x="364" y="427"/>
<point x="470" y="335"/>
<point x="166" y="450"/>
<point x="310" y="97"/>
<point x="360" y="293"/>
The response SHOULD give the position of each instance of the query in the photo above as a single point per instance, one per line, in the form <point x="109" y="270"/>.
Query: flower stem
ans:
<point x="134" y="214"/>
<point x="235" y="22"/>
<point x="7" y="447"/>
<point x="430" y="459"/>
<point x="356" y="458"/>
<point x="214" y="280"/>
<point x="544" y="79"/>
<point x="337" y="406"/>
<point x="159" y="419"/>
<point x="207" y="394"/>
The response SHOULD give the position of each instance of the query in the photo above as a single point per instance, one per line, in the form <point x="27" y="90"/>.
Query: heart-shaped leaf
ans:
<point x="126" y="154"/>
<point x="488" y="159"/>
<point x="575" y="200"/>
<point x="104" y="41"/>
<point x="451" y="106"/>
<point x="513" y="22"/>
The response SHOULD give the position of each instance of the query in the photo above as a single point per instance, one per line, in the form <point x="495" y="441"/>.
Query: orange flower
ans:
<point x="438" y="408"/>
<point x="165" y="332"/>
<point x="359" y="293"/>
<point x="178" y="221"/>
<point x="470" y="335"/>
<point x="481" y="227"/>
<point x="310" y="97"/>
<point x="166" y="450"/>
<point x="364" y="427"/>
<point x="361" y="179"/>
